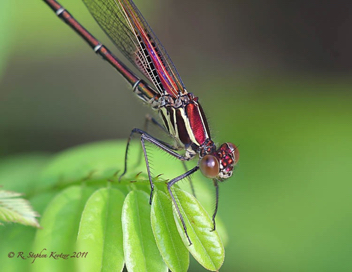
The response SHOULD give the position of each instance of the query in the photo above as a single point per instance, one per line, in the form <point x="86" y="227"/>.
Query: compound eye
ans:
<point x="209" y="166"/>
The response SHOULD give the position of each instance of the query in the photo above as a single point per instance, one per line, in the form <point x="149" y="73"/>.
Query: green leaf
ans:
<point x="206" y="247"/>
<point x="60" y="224"/>
<point x="70" y="187"/>
<point x="100" y="232"/>
<point x="140" y="250"/>
<point x="96" y="161"/>
<point x="207" y="198"/>
<point x="17" y="210"/>
<point x="18" y="173"/>
<point x="167" y="238"/>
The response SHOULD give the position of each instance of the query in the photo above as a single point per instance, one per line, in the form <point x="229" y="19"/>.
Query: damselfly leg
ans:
<point x="216" y="202"/>
<point x="144" y="136"/>
<point x="172" y="182"/>
<point x="151" y="120"/>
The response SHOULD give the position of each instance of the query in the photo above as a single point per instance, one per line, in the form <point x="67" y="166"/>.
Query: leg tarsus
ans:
<point x="151" y="193"/>
<point x="126" y="154"/>
<point x="172" y="182"/>
<point x="179" y="213"/>
<point x="216" y="202"/>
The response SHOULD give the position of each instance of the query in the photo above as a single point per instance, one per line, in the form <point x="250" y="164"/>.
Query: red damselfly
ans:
<point x="180" y="111"/>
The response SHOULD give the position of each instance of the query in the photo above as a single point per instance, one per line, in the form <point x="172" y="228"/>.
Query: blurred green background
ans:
<point x="273" y="77"/>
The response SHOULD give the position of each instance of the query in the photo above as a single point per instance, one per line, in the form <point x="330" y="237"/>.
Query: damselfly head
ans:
<point x="219" y="164"/>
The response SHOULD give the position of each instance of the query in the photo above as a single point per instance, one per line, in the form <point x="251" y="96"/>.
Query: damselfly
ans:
<point x="180" y="111"/>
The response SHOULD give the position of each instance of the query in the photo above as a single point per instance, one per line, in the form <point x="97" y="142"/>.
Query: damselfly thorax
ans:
<point x="185" y="121"/>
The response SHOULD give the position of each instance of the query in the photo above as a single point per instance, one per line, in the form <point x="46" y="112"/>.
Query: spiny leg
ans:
<point x="172" y="182"/>
<point x="149" y="119"/>
<point x="148" y="170"/>
<point x="136" y="130"/>
<point x="146" y="137"/>
<point x="217" y="201"/>
<point x="126" y="155"/>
